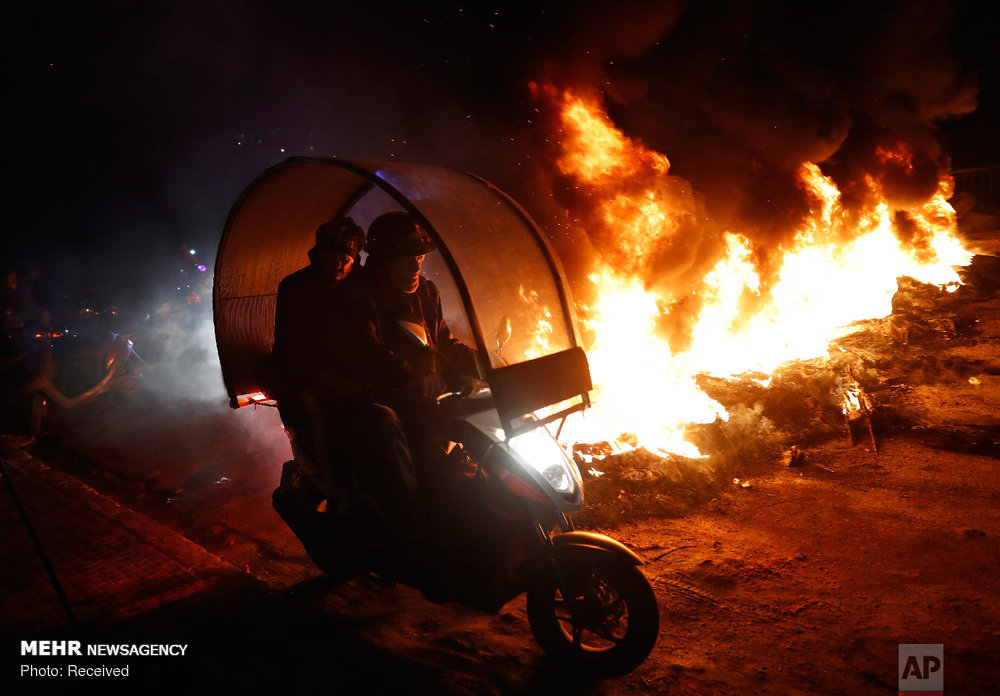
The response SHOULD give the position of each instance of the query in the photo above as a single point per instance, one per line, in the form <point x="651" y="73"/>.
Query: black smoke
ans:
<point x="739" y="94"/>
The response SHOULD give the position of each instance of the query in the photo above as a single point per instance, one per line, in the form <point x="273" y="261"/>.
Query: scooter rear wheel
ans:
<point x="608" y="623"/>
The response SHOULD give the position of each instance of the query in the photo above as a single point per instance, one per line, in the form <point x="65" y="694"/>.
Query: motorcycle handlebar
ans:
<point x="463" y="404"/>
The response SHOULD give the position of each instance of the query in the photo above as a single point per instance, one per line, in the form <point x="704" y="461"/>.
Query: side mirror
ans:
<point x="503" y="334"/>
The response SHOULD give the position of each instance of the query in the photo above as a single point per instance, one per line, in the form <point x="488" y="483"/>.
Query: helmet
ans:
<point x="398" y="234"/>
<point x="340" y="234"/>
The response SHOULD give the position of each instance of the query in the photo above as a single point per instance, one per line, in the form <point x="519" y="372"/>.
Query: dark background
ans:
<point x="130" y="128"/>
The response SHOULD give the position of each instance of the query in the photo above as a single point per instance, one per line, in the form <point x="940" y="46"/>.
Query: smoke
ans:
<point x="738" y="95"/>
<point x="188" y="370"/>
<point x="182" y="377"/>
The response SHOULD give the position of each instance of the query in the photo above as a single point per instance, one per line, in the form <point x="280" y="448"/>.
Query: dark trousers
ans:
<point x="363" y="448"/>
<point x="383" y="466"/>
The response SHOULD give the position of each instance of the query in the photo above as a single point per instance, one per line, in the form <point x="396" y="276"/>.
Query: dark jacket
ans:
<point x="384" y="358"/>
<point x="308" y="336"/>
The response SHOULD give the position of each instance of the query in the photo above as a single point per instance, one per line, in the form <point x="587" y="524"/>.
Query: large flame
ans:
<point x="840" y="267"/>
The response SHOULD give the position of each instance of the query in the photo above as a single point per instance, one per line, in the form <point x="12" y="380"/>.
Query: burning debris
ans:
<point x="869" y="382"/>
<point x="747" y="312"/>
<point x="793" y="456"/>
<point x="676" y="294"/>
<point x="857" y="407"/>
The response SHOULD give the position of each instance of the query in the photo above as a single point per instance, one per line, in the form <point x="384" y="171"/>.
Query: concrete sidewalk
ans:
<point x="112" y="562"/>
<point x="133" y="581"/>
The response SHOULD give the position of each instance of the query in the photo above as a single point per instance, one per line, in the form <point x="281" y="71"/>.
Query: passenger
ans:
<point x="308" y="379"/>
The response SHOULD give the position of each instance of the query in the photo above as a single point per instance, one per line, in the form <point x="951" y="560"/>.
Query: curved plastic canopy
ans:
<point x="494" y="269"/>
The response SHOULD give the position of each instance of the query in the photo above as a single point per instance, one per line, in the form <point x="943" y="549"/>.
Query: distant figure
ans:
<point x="20" y="309"/>
<point x="21" y="355"/>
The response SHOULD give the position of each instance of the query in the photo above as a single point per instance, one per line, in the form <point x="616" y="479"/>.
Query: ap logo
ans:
<point x="921" y="669"/>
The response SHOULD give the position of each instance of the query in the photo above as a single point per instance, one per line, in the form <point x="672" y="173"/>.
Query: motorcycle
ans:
<point x="587" y="602"/>
<point x="505" y="529"/>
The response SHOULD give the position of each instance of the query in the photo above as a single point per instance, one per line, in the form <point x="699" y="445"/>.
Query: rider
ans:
<point x="407" y="349"/>
<point x="402" y="355"/>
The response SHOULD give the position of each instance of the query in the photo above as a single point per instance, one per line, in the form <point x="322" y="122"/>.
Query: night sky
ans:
<point x="132" y="127"/>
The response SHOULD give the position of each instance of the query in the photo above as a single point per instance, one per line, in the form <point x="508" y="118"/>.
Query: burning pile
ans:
<point x="677" y="294"/>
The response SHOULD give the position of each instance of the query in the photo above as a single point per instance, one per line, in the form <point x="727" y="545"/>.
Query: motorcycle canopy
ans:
<point x="502" y="288"/>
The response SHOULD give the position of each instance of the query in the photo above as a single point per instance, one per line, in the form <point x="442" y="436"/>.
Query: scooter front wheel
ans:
<point x="608" y="622"/>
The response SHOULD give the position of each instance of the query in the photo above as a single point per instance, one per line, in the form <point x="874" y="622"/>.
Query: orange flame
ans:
<point x="821" y="285"/>
<point x="900" y="155"/>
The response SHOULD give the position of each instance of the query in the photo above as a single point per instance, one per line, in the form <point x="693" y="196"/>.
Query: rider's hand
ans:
<point x="431" y="385"/>
<point x="471" y="386"/>
<point x="449" y="408"/>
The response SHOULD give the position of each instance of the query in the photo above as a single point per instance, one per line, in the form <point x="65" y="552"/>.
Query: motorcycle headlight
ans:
<point x="542" y="453"/>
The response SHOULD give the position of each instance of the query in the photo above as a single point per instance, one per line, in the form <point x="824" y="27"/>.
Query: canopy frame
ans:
<point x="244" y="339"/>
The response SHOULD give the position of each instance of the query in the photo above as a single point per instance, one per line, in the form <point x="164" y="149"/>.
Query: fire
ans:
<point x="642" y="388"/>
<point x="638" y="199"/>
<point x="900" y="155"/>
<point x="604" y="151"/>
<point x="840" y="267"/>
